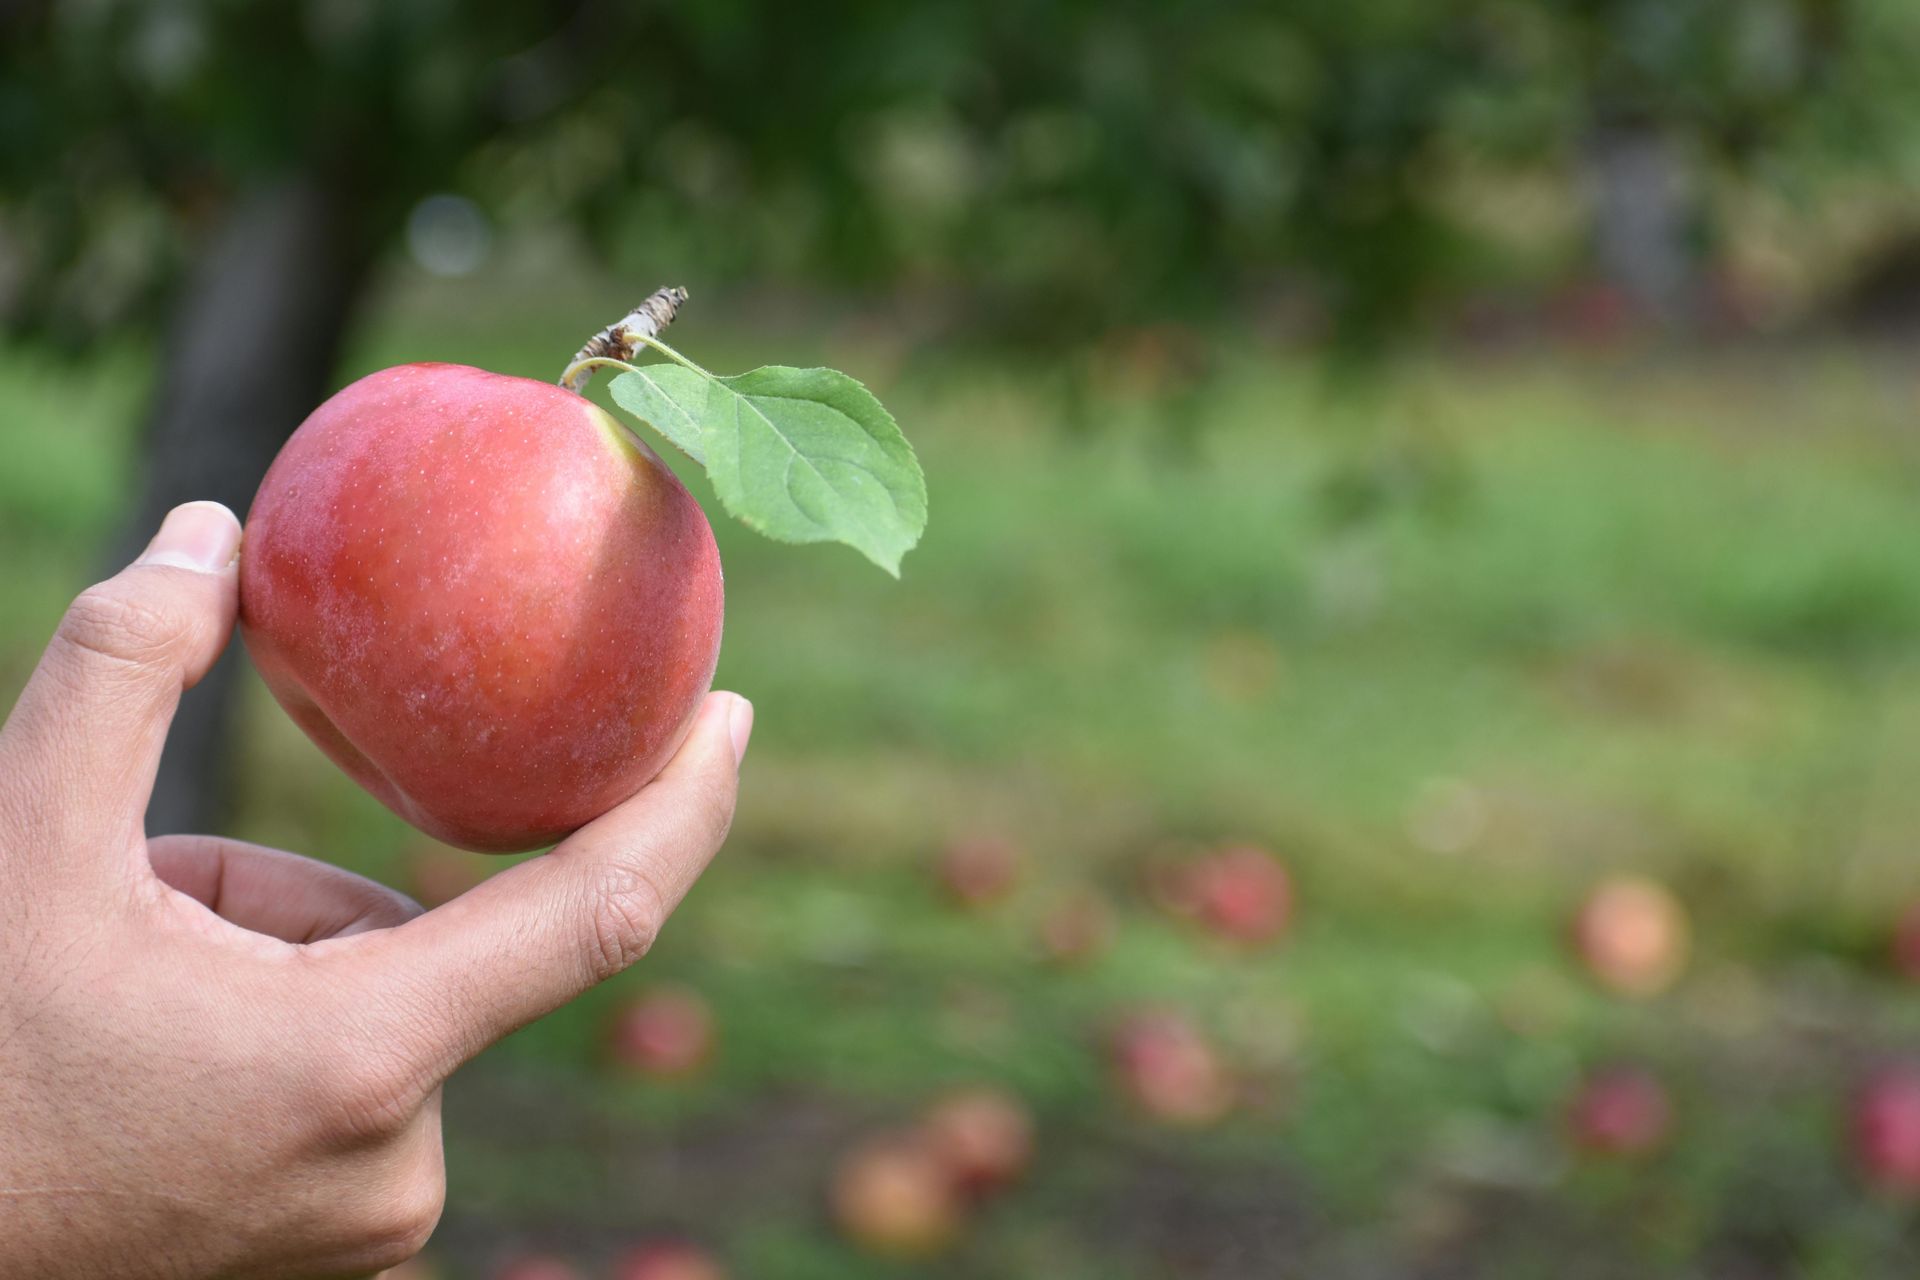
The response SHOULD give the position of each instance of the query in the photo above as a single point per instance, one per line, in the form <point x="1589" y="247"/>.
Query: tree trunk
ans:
<point x="1643" y="218"/>
<point x="250" y="351"/>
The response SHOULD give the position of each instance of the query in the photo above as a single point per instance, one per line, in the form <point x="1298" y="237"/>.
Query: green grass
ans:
<point x="1453" y="647"/>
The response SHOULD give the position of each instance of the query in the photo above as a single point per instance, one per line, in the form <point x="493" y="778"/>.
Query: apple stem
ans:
<point x="622" y="340"/>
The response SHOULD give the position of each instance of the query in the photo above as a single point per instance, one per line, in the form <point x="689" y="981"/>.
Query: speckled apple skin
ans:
<point x="483" y="598"/>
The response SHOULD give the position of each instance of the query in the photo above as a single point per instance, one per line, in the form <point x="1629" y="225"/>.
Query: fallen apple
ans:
<point x="1619" y="1111"/>
<point x="1241" y="893"/>
<point x="666" y="1033"/>
<point x="893" y="1197"/>
<point x="485" y="599"/>
<point x="668" y="1260"/>
<point x="1169" y="1070"/>
<point x="1077" y="929"/>
<point x="1884" y="1120"/>
<point x="1631" y="934"/>
<point x="983" y="1136"/>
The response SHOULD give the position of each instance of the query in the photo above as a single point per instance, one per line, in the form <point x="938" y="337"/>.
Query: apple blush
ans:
<point x="484" y="598"/>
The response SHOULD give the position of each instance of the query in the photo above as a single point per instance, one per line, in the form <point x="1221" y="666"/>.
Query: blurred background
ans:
<point x="1398" y="754"/>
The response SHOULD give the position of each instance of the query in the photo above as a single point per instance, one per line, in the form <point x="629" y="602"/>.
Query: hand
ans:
<point x="223" y="1060"/>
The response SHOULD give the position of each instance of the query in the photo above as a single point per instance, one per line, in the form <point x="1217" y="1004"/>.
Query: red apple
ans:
<point x="537" y="1267"/>
<point x="667" y="1032"/>
<point x="1621" y="1111"/>
<point x="893" y="1197"/>
<point x="1885" y="1125"/>
<point x="668" y="1260"/>
<point x="979" y="870"/>
<point x="484" y="598"/>
<point x="1171" y="1071"/>
<point x="1906" y="943"/>
<point x="983" y="1136"/>
<point x="1632" y="935"/>
<point x="1243" y="894"/>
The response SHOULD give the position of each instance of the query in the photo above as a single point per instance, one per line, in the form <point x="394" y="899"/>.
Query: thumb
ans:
<point x="87" y="732"/>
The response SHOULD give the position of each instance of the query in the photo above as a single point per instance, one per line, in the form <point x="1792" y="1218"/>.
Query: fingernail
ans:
<point x="202" y="536"/>
<point x="740" y="726"/>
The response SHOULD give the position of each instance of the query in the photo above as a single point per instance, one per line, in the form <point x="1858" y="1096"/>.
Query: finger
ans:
<point x="85" y="737"/>
<point x="282" y="895"/>
<point x="533" y="937"/>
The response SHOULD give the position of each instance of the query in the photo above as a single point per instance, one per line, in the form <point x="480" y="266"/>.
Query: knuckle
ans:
<point x="628" y="911"/>
<point x="108" y="621"/>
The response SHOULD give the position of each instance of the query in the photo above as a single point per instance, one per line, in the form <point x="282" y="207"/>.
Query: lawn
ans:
<point x="1453" y="642"/>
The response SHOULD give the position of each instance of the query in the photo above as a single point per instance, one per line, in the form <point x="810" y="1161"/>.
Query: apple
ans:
<point x="1619" y="1111"/>
<point x="1906" y="943"/>
<point x="1242" y="894"/>
<point x="1077" y="929"/>
<point x="537" y="1267"/>
<point x="486" y="600"/>
<point x="1169" y="1070"/>
<point x="1631" y="933"/>
<point x="894" y="1197"/>
<point x="978" y="871"/>
<point x="1885" y="1130"/>
<point x="666" y="1032"/>
<point x="668" y="1260"/>
<point x="983" y="1137"/>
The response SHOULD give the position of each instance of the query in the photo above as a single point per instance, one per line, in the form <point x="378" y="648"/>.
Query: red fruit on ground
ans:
<point x="1170" y="1071"/>
<point x="893" y="1197"/>
<point x="1632" y="935"/>
<point x="1885" y="1130"/>
<point x="1906" y="943"/>
<point x="978" y="871"/>
<point x="1621" y="1111"/>
<point x="983" y="1137"/>
<point x="668" y="1260"/>
<point x="666" y="1032"/>
<point x="486" y="600"/>
<point x="1243" y="894"/>
<point x="537" y="1268"/>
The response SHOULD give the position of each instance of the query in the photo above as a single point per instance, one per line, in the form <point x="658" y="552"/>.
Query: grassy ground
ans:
<point x="1453" y="645"/>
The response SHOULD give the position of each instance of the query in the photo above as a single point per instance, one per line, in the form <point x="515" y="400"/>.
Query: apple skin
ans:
<point x="1884" y="1124"/>
<point x="488" y="602"/>
<point x="1169" y="1070"/>
<point x="667" y="1033"/>
<point x="1620" y="1111"/>
<point x="894" y="1198"/>
<point x="1631" y="934"/>
<point x="983" y="1137"/>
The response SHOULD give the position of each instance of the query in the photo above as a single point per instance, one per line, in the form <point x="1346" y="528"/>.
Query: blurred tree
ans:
<point x="1076" y="167"/>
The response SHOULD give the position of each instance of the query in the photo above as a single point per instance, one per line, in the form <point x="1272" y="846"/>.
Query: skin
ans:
<point x="219" y="1060"/>
<point x="485" y="599"/>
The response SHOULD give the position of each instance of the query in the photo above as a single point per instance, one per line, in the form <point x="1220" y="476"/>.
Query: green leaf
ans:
<point x="669" y="397"/>
<point x="801" y="455"/>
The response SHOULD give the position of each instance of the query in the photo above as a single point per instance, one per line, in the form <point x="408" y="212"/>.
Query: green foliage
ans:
<point x="1072" y="164"/>
<point x="800" y="455"/>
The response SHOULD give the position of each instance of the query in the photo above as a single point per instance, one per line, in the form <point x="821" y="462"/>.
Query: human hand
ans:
<point x="223" y="1060"/>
